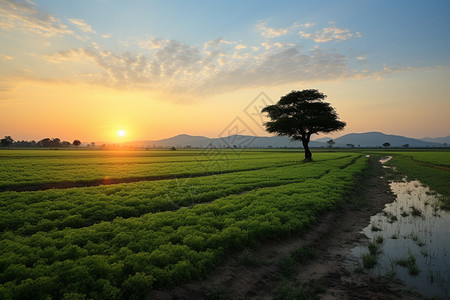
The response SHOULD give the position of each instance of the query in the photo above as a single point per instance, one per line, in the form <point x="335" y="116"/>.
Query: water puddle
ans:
<point x="410" y="240"/>
<point x="385" y="159"/>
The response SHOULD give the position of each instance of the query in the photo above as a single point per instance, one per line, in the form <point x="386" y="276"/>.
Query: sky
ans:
<point x="87" y="69"/>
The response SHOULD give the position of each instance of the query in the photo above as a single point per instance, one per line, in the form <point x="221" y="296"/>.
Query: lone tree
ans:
<point x="386" y="145"/>
<point x="300" y="114"/>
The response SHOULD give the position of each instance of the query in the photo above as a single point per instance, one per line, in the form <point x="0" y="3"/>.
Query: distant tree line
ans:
<point x="8" y="142"/>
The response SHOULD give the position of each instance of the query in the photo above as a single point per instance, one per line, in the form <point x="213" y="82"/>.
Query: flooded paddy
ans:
<point x="410" y="240"/>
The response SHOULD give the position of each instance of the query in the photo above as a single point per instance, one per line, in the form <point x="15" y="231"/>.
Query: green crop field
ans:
<point x="169" y="217"/>
<point x="138" y="220"/>
<point x="41" y="168"/>
<point x="431" y="168"/>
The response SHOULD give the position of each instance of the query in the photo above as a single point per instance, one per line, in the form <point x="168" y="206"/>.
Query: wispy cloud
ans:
<point x="212" y="68"/>
<point x="361" y="59"/>
<point x="82" y="25"/>
<point x="215" y="66"/>
<point x="269" y="32"/>
<point x="6" y="57"/>
<point x="25" y="16"/>
<point x="329" y="34"/>
<point x="217" y="43"/>
<point x="5" y="87"/>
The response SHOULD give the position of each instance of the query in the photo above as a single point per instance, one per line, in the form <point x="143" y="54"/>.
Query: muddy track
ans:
<point x="333" y="235"/>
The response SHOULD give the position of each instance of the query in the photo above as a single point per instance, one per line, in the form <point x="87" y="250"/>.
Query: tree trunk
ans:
<point x="308" y="154"/>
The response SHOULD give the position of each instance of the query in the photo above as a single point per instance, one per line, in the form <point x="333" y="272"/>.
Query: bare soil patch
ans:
<point x="267" y="272"/>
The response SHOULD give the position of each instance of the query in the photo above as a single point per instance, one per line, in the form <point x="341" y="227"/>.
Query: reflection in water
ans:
<point x="385" y="159"/>
<point x="413" y="225"/>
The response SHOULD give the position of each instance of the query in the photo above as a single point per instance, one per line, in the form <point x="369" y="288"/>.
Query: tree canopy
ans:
<point x="301" y="114"/>
<point x="5" y="142"/>
<point x="331" y="143"/>
<point x="76" y="143"/>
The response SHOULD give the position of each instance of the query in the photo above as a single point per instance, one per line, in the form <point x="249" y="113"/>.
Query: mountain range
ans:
<point x="368" y="139"/>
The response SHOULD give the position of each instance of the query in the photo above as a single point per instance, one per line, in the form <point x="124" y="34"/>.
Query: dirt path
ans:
<point x="269" y="272"/>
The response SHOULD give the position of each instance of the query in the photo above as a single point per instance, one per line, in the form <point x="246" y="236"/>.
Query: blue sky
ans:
<point x="198" y="52"/>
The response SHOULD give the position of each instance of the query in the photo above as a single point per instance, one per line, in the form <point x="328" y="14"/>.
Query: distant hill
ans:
<point x="439" y="140"/>
<point x="180" y="140"/>
<point x="377" y="139"/>
<point x="368" y="139"/>
<point x="323" y="139"/>
<point x="240" y="141"/>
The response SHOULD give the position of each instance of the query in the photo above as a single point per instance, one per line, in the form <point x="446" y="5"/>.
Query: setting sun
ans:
<point x="121" y="133"/>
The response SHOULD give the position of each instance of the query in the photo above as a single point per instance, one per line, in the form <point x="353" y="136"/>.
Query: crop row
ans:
<point x="41" y="174"/>
<point x="435" y="157"/>
<point x="35" y="171"/>
<point x="125" y="258"/>
<point x="29" y="212"/>
<point x="78" y="158"/>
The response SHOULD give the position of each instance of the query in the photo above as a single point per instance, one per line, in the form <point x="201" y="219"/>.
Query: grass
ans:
<point x="415" y="211"/>
<point x="373" y="248"/>
<point x="287" y="267"/>
<point x="248" y="259"/>
<point x="374" y="228"/>
<point x="431" y="168"/>
<point x="301" y="291"/>
<point x="391" y="217"/>
<point x="304" y="254"/>
<point x="379" y="239"/>
<point x="410" y="264"/>
<point x="218" y="292"/>
<point x="99" y="242"/>
<point x="404" y="214"/>
<point x="369" y="260"/>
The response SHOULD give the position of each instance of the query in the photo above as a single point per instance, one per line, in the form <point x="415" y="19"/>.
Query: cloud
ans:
<point x="329" y="34"/>
<point x="6" y="57"/>
<point x="26" y="17"/>
<point x="287" y="66"/>
<point x="152" y="43"/>
<point x="179" y="68"/>
<point x="361" y="59"/>
<point x="5" y="87"/>
<point x="82" y="25"/>
<point x="69" y="55"/>
<point x="269" y="32"/>
<point x="215" y="66"/>
<point x="217" y="43"/>
<point x="306" y="25"/>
